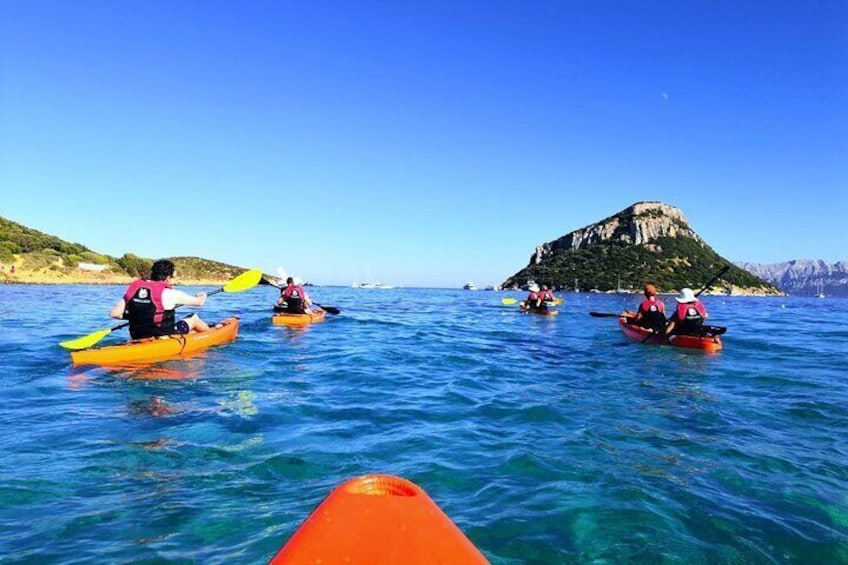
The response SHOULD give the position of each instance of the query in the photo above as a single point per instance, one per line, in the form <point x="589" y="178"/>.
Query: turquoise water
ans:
<point x="545" y="440"/>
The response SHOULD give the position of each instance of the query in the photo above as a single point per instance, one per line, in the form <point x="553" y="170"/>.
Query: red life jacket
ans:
<point x="145" y="311"/>
<point x="652" y="305"/>
<point x="547" y="295"/>
<point x="688" y="317"/>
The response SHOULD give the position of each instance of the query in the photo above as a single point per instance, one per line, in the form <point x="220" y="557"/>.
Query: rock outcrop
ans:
<point x="647" y="241"/>
<point x="641" y="224"/>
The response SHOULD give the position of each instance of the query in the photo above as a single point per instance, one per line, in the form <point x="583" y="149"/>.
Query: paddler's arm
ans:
<point x="117" y="310"/>
<point x="197" y="300"/>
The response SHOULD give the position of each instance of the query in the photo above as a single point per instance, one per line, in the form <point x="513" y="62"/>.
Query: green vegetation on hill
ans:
<point x="16" y="239"/>
<point x="672" y="263"/>
<point x="38" y="251"/>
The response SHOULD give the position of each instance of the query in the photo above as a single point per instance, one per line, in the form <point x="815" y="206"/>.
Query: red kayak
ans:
<point x="710" y="342"/>
<point x="378" y="519"/>
<point x="545" y="311"/>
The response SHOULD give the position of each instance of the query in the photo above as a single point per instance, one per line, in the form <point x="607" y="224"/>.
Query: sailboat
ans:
<point x="820" y="293"/>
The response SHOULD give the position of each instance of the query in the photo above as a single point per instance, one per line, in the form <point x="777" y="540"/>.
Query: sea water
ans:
<point x="547" y="440"/>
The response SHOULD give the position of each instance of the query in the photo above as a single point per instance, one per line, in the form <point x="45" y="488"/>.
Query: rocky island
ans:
<point x="649" y="241"/>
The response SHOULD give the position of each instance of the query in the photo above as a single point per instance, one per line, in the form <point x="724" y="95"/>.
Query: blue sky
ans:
<point x="421" y="143"/>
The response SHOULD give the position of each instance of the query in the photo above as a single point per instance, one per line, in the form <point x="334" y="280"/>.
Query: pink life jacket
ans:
<point x="295" y="298"/>
<point x="145" y="311"/>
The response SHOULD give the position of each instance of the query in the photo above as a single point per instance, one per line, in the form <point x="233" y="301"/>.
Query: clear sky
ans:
<point x="421" y="143"/>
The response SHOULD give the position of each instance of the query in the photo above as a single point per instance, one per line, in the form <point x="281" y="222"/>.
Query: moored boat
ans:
<point x="711" y="342"/>
<point x="293" y="320"/>
<point x="152" y="349"/>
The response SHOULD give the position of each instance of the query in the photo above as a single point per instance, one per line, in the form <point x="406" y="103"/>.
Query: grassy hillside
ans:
<point x="41" y="258"/>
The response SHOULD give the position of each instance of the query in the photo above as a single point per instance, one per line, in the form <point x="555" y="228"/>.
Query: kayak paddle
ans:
<point x="328" y="309"/>
<point x="604" y="315"/>
<point x="244" y="281"/>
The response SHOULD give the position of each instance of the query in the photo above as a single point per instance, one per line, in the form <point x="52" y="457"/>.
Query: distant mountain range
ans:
<point x="802" y="277"/>
<point x="649" y="241"/>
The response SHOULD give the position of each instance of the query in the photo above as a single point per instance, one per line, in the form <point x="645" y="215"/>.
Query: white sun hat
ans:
<point x="686" y="295"/>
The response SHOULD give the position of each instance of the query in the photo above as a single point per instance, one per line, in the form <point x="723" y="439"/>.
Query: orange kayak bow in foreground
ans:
<point x="292" y="320"/>
<point x="154" y="349"/>
<point x="709" y="343"/>
<point x="378" y="519"/>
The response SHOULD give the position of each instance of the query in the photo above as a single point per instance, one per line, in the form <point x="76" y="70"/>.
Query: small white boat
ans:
<point x="469" y="286"/>
<point x="379" y="286"/>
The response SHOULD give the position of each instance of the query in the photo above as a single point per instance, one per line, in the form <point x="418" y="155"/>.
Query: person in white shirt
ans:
<point x="149" y="305"/>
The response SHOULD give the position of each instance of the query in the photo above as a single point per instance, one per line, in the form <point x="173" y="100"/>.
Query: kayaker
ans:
<point x="293" y="299"/>
<point x="689" y="315"/>
<point x="547" y="295"/>
<point x="651" y="312"/>
<point x="149" y="305"/>
<point x="534" y="299"/>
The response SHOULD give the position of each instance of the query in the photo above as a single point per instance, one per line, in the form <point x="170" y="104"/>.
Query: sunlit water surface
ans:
<point x="545" y="440"/>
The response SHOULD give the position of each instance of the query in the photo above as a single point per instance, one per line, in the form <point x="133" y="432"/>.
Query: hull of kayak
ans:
<point x="297" y="320"/>
<point x="643" y="335"/>
<point x="378" y="519"/>
<point x="537" y="311"/>
<point x="157" y="349"/>
<point x="540" y="312"/>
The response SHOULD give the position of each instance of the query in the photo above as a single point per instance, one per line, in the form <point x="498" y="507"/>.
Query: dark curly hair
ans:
<point x="161" y="270"/>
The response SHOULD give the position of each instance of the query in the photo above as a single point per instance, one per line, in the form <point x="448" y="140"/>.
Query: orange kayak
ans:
<point x="154" y="349"/>
<point x="378" y="519"/>
<point x="709" y="343"/>
<point x="297" y="320"/>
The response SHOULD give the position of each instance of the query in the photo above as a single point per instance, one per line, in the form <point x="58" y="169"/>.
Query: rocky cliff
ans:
<point x="647" y="241"/>
<point x="803" y="277"/>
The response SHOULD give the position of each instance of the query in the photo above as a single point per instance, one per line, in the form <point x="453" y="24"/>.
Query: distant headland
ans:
<point x="28" y="256"/>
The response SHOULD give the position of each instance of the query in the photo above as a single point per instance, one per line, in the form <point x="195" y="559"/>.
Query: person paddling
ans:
<point x="651" y="312"/>
<point x="689" y="315"/>
<point x="533" y="299"/>
<point x="149" y="305"/>
<point x="293" y="299"/>
<point x="547" y="296"/>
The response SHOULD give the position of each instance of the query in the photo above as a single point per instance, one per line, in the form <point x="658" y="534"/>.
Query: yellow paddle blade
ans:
<point x="244" y="281"/>
<point x="508" y="300"/>
<point x="558" y="301"/>
<point x="86" y="341"/>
